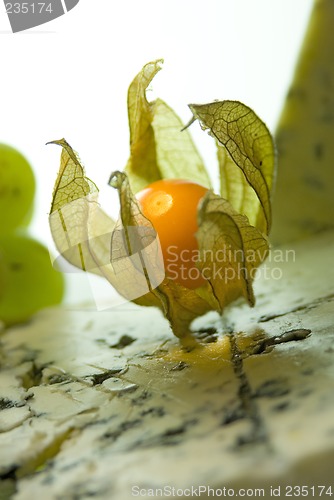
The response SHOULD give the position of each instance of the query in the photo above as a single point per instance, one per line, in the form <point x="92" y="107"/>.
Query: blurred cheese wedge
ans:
<point x="304" y="197"/>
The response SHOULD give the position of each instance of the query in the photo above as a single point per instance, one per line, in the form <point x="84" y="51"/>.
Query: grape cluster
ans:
<point x="28" y="281"/>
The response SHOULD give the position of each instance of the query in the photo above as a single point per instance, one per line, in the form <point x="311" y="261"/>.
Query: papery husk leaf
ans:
<point x="235" y="188"/>
<point x="71" y="183"/>
<point x="249" y="148"/>
<point x="135" y="252"/>
<point x="73" y="197"/>
<point x="127" y="253"/>
<point x="230" y="248"/>
<point x="180" y="305"/>
<point x="158" y="148"/>
<point x="90" y="240"/>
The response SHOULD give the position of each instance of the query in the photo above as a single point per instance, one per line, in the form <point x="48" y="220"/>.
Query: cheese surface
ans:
<point x="98" y="403"/>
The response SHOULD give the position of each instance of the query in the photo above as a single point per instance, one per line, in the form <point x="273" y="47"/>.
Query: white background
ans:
<point x="69" y="78"/>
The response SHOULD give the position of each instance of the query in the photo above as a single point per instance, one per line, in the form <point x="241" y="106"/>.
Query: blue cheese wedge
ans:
<point x="104" y="403"/>
<point x="304" y="200"/>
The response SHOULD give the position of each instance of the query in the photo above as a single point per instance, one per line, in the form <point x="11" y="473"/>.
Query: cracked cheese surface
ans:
<point x="97" y="402"/>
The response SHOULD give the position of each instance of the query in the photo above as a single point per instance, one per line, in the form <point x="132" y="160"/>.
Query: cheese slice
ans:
<point x="103" y="403"/>
<point x="304" y="197"/>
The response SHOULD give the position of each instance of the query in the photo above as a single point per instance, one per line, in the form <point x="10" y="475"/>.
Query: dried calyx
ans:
<point x="232" y="225"/>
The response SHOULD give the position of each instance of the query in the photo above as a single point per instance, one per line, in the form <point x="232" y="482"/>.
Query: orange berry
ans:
<point x="171" y="205"/>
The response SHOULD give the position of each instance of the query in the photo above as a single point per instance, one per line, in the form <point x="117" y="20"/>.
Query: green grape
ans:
<point x="3" y="276"/>
<point x="29" y="281"/>
<point x="17" y="189"/>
